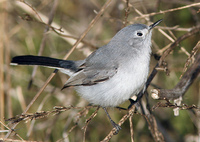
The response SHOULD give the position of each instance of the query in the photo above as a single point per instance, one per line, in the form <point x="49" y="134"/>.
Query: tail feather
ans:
<point x="43" y="61"/>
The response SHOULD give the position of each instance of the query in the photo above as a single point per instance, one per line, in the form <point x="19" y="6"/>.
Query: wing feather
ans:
<point x="90" y="76"/>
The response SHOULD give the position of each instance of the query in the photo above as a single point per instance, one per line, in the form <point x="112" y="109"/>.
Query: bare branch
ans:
<point x="88" y="121"/>
<point x="168" y="104"/>
<point x="131" y="128"/>
<point x="127" y="11"/>
<point x="191" y="57"/>
<point x="182" y="86"/>
<point x="166" y="11"/>
<point x="157" y="135"/>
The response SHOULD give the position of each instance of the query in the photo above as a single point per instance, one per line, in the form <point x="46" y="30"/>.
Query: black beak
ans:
<point x="155" y="24"/>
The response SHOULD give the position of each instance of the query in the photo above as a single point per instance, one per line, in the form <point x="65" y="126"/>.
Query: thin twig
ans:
<point x="191" y="57"/>
<point x="39" y="109"/>
<point x="73" y="37"/>
<point x="72" y="128"/>
<point x="53" y="26"/>
<point x="88" y="121"/>
<point x="168" y="104"/>
<point x="166" y="11"/>
<point x="88" y="29"/>
<point x="11" y="130"/>
<point x="13" y="140"/>
<point x="157" y="135"/>
<point x="127" y="11"/>
<point x="35" y="11"/>
<point x="131" y="128"/>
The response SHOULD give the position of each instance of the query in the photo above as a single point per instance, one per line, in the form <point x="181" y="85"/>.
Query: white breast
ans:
<point x="124" y="84"/>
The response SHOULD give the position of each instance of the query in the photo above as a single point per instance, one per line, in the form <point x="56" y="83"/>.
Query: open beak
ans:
<point x="155" y="24"/>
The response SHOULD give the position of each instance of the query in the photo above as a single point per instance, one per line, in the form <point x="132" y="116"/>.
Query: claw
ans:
<point x="117" y="127"/>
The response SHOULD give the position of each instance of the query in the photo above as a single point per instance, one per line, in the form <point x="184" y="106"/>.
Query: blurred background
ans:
<point x="22" y="31"/>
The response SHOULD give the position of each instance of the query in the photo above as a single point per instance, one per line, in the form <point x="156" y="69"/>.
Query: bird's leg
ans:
<point x="116" y="126"/>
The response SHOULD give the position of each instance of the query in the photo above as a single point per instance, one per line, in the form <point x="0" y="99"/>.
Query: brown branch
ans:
<point x="166" y="11"/>
<point x="73" y="37"/>
<point x="72" y="128"/>
<point x="157" y="135"/>
<point x="88" y="121"/>
<point x="181" y="38"/>
<point x="127" y="11"/>
<point x="153" y="127"/>
<point x="131" y="128"/>
<point x="89" y="27"/>
<point x="14" y="140"/>
<point x="168" y="104"/>
<point x="182" y="86"/>
<point x="10" y="130"/>
<point x="191" y="57"/>
<point x="56" y="110"/>
<point x="35" y="11"/>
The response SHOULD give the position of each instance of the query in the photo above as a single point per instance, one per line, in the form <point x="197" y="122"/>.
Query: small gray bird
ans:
<point x="112" y="74"/>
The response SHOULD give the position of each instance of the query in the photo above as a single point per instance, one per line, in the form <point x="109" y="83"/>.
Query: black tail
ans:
<point x="43" y="61"/>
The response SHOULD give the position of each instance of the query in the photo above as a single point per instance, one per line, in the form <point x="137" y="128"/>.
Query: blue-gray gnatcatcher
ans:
<point x="110" y="75"/>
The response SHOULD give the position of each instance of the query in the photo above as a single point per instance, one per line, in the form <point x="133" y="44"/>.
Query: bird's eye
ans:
<point x="139" y="34"/>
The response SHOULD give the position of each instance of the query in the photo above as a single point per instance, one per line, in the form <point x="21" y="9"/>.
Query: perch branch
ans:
<point x="182" y="86"/>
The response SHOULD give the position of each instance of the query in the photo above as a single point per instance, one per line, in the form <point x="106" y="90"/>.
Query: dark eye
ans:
<point x="139" y="34"/>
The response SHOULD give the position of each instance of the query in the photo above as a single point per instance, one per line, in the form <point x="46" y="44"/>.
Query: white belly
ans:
<point x="117" y="89"/>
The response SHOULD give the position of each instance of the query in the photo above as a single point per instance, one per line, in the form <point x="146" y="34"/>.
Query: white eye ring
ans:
<point x="139" y="33"/>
